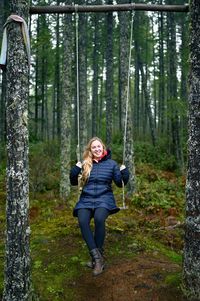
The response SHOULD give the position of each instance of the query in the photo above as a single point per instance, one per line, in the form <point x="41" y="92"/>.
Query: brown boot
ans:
<point x="98" y="262"/>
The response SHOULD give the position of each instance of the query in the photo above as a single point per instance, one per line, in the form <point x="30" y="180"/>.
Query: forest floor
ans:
<point x="143" y="250"/>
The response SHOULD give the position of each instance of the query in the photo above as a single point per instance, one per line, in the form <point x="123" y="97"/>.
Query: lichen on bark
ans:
<point x="17" y="284"/>
<point x="191" y="264"/>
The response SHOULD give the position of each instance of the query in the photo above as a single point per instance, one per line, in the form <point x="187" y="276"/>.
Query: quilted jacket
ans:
<point x="97" y="192"/>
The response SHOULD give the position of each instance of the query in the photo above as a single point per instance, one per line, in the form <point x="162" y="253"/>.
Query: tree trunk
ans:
<point x="148" y="105"/>
<point x="95" y="103"/>
<point x="36" y="115"/>
<point x="3" y="16"/>
<point x="66" y="106"/>
<point x="184" y="75"/>
<point x="57" y="75"/>
<point x="161" y="105"/>
<point x="109" y="76"/>
<point x="17" y="264"/>
<point x="124" y="24"/>
<point x="44" y="67"/>
<point x="2" y="109"/>
<point x="83" y="78"/>
<point x="192" y="234"/>
<point x="173" y="95"/>
<point x="137" y="113"/>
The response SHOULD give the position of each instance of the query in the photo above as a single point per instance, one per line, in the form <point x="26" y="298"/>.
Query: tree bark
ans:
<point x="148" y="105"/>
<point x="95" y="102"/>
<point x="109" y="77"/>
<point x="161" y="105"/>
<point x="66" y="107"/>
<point x="83" y="78"/>
<point x="173" y="95"/>
<point x="17" y="285"/>
<point x="36" y="114"/>
<point x="191" y="271"/>
<point x="3" y="16"/>
<point x="124" y="24"/>
<point x="57" y="76"/>
<point x="107" y="8"/>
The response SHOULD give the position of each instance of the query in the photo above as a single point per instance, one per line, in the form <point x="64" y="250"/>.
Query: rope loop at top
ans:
<point x="15" y="18"/>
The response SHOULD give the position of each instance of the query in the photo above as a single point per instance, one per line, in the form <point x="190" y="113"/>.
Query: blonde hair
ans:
<point x="88" y="160"/>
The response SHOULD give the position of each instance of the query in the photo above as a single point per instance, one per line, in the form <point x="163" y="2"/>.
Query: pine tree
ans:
<point x="17" y="285"/>
<point x="66" y="106"/>
<point x="192" y="228"/>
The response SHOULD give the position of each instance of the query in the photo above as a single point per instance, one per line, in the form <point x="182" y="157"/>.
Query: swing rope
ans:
<point x="77" y="86"/>
<point x="126" y="110"/>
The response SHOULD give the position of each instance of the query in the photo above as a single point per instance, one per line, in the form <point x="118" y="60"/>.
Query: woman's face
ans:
<point x="96" y="149"/>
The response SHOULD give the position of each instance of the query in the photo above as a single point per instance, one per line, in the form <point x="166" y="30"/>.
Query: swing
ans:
<point x="124" y="206"/>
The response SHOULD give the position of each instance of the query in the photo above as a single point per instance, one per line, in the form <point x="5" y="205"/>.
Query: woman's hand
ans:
<point x="79" y="164"/>
<point x="122" y="167"/>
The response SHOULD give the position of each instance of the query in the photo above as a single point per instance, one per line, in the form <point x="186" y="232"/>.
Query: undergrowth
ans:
<point x="57" y="249"/>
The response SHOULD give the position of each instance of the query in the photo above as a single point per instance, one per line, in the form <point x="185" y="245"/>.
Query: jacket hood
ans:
<point x="108" y="156"/>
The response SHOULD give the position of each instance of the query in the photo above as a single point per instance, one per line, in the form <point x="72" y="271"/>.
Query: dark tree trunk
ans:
<point x="95" y="104"/>
<point x="124" y="24"/>
<point x="161" y="106"/>
<point x="17" y="264"/>
<point x="43" y="78"/>
<point x="57" y="76"/>
<point x="173" y="95"/>
<point x="2" y="109"/>
<point x="3" y="16"/>
<point x="109" y="76"/>
<point x="137" y="107"/>
<point x="192" y="234"/>
<point x="83" y="78"/>
<point x="184" y="74"/>
<point x="36" y="87"/>
<point x="66" y="106"/>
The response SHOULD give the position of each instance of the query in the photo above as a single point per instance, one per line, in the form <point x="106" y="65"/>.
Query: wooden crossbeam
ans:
<point x="68" y="9"/>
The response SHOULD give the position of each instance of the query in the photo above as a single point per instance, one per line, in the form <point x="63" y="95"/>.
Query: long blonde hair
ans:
<point x="88" y="160"/>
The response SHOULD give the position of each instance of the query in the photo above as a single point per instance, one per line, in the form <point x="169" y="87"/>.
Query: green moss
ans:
<point x="174" y="279"/>
<point x="160" y="248"/>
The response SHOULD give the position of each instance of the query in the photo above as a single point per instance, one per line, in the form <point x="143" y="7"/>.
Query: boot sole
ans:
<point x="97" y="274"/>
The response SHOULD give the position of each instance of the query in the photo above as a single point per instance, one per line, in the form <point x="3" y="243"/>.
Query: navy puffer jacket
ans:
<point x="97" y="192"/>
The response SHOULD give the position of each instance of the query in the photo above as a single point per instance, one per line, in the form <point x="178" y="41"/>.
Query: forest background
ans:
<point x="157" y="116"/>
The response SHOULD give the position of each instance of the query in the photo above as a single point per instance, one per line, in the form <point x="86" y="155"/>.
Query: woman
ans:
<point x="96" y="201"/>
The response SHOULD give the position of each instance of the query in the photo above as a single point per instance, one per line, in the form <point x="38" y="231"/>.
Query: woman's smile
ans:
<point x="96" y="149"/>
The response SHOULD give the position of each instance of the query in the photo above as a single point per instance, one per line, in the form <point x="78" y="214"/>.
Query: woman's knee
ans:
<point x="83" y="217"/>
<point x="100" y="216"/>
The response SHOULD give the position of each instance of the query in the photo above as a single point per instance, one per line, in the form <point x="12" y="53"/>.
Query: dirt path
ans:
<point x="141" y="279"/>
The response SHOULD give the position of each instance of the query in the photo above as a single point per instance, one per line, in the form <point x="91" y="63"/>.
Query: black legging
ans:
<point x="84" y="217"/>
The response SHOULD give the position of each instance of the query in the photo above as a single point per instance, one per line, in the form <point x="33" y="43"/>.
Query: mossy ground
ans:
<point x="143" y="246"/>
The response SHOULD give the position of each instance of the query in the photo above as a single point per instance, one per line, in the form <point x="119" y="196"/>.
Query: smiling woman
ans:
<point x="97" y="150"/>
<point x="96" y="201"/>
